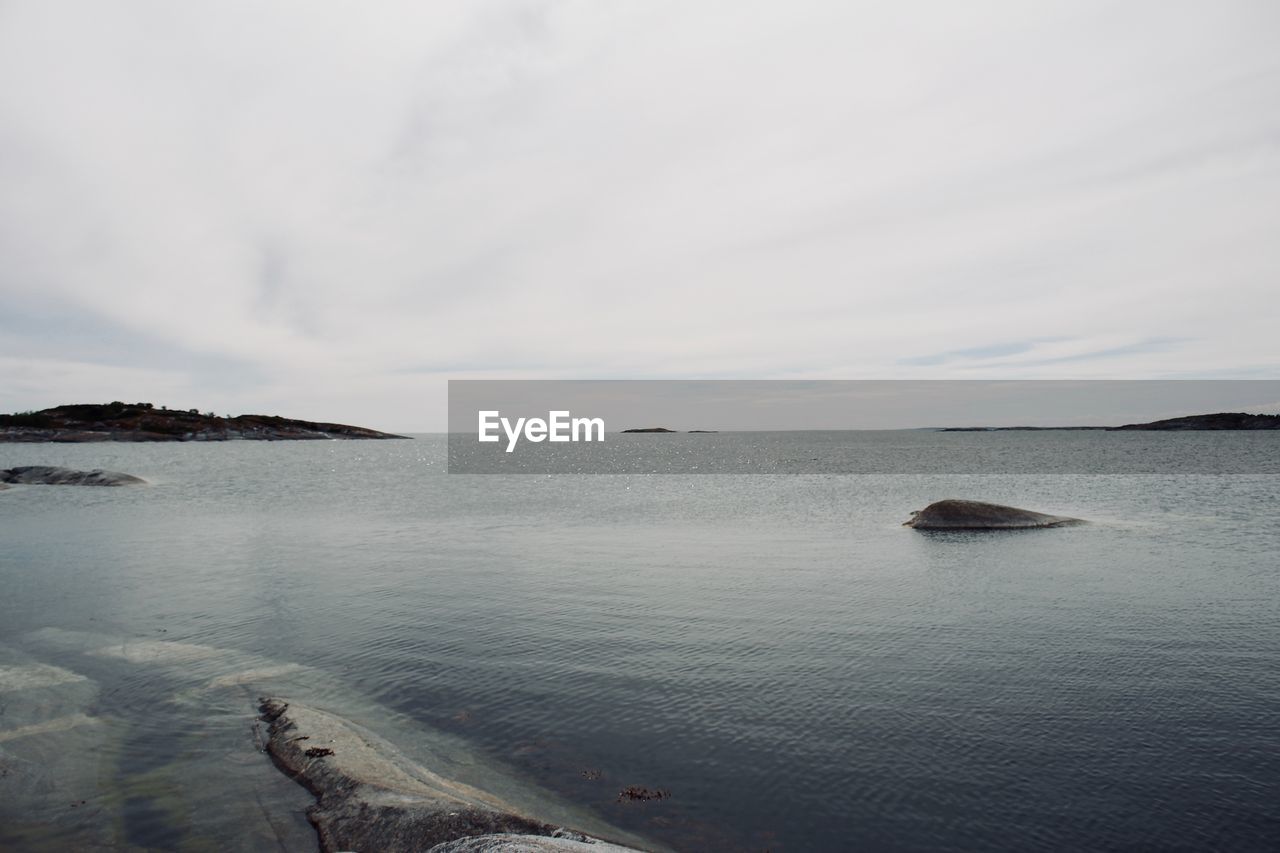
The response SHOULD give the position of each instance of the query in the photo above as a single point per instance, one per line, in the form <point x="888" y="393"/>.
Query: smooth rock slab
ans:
<point x="526" y="844"/>
<point x="975" y="515"/>
<point x="371" y="797"/>
<point x="55" y="751"/>
<point x="14" y="677"/>
<point x="51" y="475"/>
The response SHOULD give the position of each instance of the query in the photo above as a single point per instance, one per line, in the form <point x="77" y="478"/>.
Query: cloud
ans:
<point x="972" y="353"/>
<point x="289" y="205"/>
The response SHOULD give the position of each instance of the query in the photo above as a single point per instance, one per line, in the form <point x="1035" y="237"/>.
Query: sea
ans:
<point x="771" y="658"/>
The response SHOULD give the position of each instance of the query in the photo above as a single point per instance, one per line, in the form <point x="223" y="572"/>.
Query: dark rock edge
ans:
<point x="345" y="819"/>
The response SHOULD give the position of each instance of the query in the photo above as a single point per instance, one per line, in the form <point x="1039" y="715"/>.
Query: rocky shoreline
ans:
<point x="370" y="797"/>
<point x="208" y="764"/>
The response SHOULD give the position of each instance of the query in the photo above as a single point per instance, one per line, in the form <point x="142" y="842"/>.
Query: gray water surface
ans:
<point x="795" y="668"/>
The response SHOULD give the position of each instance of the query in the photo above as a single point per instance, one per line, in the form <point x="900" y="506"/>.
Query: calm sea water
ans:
<point x="798" y="670"/>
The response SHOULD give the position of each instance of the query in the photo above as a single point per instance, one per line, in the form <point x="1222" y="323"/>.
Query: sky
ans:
<point x="326" y="210"/>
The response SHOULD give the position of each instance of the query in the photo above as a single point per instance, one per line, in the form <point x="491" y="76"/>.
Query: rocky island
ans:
<point x="1221" y="420"/>
<point x="144" y="422"/>
<point x="1217" y="421"/>
<point x="954" y="514"/>
<point x="666" y="430"/>
<point x="51" y="475"/>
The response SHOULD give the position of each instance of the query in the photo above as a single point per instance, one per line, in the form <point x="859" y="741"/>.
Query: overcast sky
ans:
<point x="325" y="210"/>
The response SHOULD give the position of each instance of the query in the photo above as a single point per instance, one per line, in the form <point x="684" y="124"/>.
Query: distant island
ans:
<point x="1218" y="421"/>
<point x="1221" y="420"/>
<point x="664" y="429"/>
<point x="1020" y="428"/>
<point x="144" y="422"/>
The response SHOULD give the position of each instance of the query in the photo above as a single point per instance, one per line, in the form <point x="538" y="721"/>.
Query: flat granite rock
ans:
<point x="371" y="797"/>
<point x="526" y="844"/>
<point x="56" y="748"/>
<point x="51" y="475"/>
<point x="975" y="515"/>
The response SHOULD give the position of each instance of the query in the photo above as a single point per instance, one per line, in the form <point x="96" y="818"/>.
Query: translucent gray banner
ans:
<point x="863" y="427"/>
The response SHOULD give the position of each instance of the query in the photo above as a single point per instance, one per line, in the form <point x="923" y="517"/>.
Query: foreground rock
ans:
<point x="370" y="797"/>
<point x="196" y="774"/>
<point x="975" y="515"/>
<point x="524" y="844"/>
<point x="51" y="475"/>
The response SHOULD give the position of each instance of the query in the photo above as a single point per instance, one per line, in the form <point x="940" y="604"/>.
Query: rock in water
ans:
<point x="975" y="515"/>
<point x="50" y="475"/>
<point x="370" y="797"/>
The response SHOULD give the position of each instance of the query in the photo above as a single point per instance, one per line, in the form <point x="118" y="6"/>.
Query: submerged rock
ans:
<point x="51" y="475"/>
<point x="371" y="797"/>
<point x="975" y="515"/>
<point x="56" y="748"/>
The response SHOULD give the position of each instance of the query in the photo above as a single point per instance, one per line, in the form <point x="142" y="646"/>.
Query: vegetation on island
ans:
<point x="117" y="421"/>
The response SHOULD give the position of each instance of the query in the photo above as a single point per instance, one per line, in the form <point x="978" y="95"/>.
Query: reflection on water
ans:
<point x="797" y="669"/>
